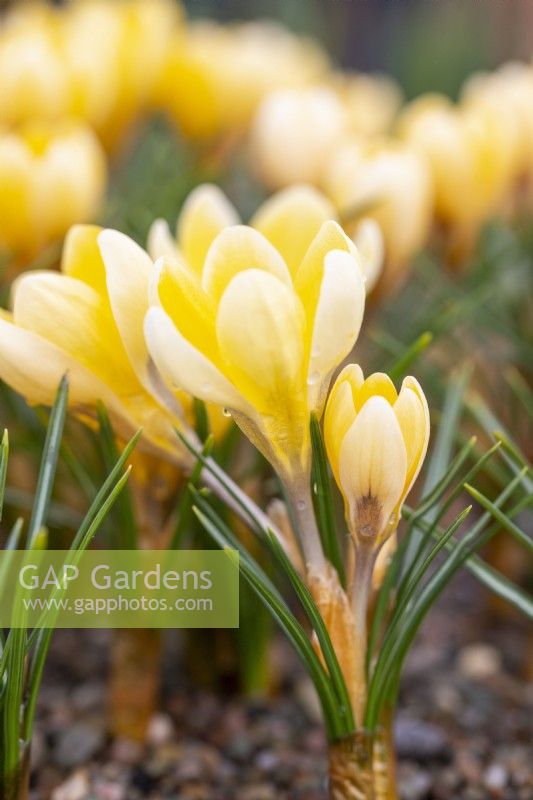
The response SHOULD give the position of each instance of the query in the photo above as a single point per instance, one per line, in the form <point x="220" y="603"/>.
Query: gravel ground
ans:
<point x="463" y="729"/>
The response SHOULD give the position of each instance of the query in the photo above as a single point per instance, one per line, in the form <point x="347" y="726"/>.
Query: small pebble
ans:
<point x="420" y="741"/>
<point x="160" y="730"/>
<point x="109" y="790"/>
<point x="413" y="783"/>
<point x="77" y="744"/>
<point x="495" y="779"/>
<point x="126" y="751"/>
<point x="75" y="788"/>
<point x="479" y="661"/>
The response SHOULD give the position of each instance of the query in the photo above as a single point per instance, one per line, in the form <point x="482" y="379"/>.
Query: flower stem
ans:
<point x="365" y="557"/>
<point x="299" y="491"/>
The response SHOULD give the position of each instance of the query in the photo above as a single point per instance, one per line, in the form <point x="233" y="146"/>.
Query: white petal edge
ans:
<point x="369" y="242"/>
<point x="129" y="269"/>
<point x="182" y="365"/>
<point x="160" y="241"/>
<point x="338" y="319"/>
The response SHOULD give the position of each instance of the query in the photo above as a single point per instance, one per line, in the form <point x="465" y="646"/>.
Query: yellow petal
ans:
<point x="180" y="294"/>
<point x="205" y="213"/>
<point x="291" y="219"/>
<point x="260" y="329"/>
<point x="413" y="416"/>
<point x="72" y="316"/>
<point x="160" y="241"/>
<point x="340" y="412"/>
<point x="81" y="257"/>
<point x="338" y="318"/>
<point x="183" y="366"/>
<point x="239" y="248"/>
<point x="353" y="375"/>
<point x="311" y="270"/>
<point x="376" y="384"/>
<point x="128" y="270"/>
<point x="17" y="212"/>
<point x="34" y="367"/>
<point x="372" y="467"/>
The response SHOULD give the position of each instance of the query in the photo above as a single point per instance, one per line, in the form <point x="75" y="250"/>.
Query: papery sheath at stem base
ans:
<point x="350" y="768"/>
<point x="384" y="761"/>
<point x="363" y="766"/>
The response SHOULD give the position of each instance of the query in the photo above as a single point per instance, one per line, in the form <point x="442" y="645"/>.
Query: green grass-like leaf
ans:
<point x="323" y="501"/>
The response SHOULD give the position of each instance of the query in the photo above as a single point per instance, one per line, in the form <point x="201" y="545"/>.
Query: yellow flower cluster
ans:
<point x="254" y="319"/>
<point x="433" y="165"/>
<point x="430" y="166"/>
<point x="72" y="80"/>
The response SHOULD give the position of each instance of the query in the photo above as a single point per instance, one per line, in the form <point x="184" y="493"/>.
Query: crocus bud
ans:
<point x="376" y="441"/>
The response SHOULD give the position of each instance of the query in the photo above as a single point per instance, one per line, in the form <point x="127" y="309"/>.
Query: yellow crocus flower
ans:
<point x="33" y="80"/>
<point x="508" y="93"/>
<point x="293" y="132"/>
<point x="376" y="440"/>
<point x="51" y="176"/>
<point x="471" y="163"/>
<point x="92" y="60"/>
<point x="256" y="318"/>
<point x="134" y="37"/>
<point x="215" y="75"/>
<point x="389" y="182"/>
<point x="86" y="322"/>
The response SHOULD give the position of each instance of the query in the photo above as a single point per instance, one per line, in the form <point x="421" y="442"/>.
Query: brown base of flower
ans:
<point x="362" y="767"/>
<point x="350" y="768"/>
<point x="135" y="681"/>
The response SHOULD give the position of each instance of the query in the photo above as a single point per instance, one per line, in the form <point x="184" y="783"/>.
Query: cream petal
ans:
<point x="338" y="319"/>
<point x="235" y="249"/>
<point x="371" y="248"/>
<point x="160" y="241"/>
<point x="372" y="467"/>
<point x="260" y="328"/>
<point x="183" y="366"/>
<point x="128" y="271"/>
<point x="205" y="213"/>
<point x="291" y="219"/>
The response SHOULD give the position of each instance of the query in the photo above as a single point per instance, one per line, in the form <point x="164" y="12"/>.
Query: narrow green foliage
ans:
<point x="4" y="454"/>
<point x="48" y="468"/>
<point x="126" y="537"/>
<point x="23" y="653"/>
<point x="263" y="587"/>
<point x="323" y="501"/>
<point x="441" y="455"/>
<point x="318" y="626"/>
<point x="400" y="365"/>
<point x="202" y="420"/>
<point x="506" y="523"/>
